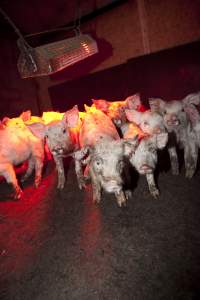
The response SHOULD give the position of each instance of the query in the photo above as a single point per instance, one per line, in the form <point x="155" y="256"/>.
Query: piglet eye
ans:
<point x="146" y="123"/>
<point x="64" y="130"/>
<point x="152" y="149"/>
<point x="46" y="136"/>
<point x="98" y="162"/>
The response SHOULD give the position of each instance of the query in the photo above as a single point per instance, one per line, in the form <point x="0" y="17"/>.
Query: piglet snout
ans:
<point x="145" y="169"/>
<point x="57" y="151"/>
<point x="173" y="121"/>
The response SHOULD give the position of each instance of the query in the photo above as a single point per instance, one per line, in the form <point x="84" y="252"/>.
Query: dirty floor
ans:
<point x="58" y="245"/>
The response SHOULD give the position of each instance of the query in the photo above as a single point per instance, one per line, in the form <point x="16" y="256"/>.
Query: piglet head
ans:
<point x="134" y="102"/>
<point x="193" y="99"/>
<point x="145" y="158"/>
<point x="101" y="104"/>
<point x="57" y="133"/>
<point x="149" y="122"/>
<point x="107" y="161"/>
<point x="13" y="122"/>
<point x="25" y="115"/>
<point x="172" y="111"/>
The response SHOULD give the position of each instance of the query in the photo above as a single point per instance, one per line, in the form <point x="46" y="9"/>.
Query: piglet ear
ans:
<point x="101" y="104"/>
<point x="5" y="120"/>
<point x="26" y="115"/>
<point x="192" y="99"/>
<point x="1" y="125"/>
<point x="192" y="113"/>
<point x="156" y="104"/>
<point x="161" y="140"/>
<point x="37" y="129"/>
<point x="71" y="117"/>
<point x="87" y="108"/>
<point x="133" y="101"/>
<point x="130" y="145"/>
<point x="133" y="116"/>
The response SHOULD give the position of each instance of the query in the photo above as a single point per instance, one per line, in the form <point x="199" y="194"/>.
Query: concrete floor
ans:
<point x="60" y="246"/>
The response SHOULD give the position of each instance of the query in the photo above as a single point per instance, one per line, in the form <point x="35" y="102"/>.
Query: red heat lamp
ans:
<point x="53" y="57"/>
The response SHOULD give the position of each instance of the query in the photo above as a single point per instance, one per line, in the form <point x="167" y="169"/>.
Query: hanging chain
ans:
<point x="16" y="29"/>
<point x="24" y="47"/>
<point x="77" y="17"/>
<point x="75" y="26"/>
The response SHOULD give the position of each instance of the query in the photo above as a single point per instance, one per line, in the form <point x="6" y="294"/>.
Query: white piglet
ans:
<point x="61" y="137"/>
<point x="180" y="132"/>
<point x="145" y="157"/>
<point x="149" y="122"/>
<point x="17" y="145"/>
<point x="105" y="153"/>
<point x="192" y="101"/>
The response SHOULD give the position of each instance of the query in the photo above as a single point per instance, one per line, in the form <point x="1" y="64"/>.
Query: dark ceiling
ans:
<point x="33" y="16"/>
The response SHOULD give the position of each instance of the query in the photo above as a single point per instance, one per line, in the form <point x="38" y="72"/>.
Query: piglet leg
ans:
<point x="96" y="188"/>
<point x="79" y="174"/>
<point x="38" y="170"/>
<point x="173" y="160"/>
<point x="31" y="165"/>
<point x="152" y="186"/>
<point x="61" y="173"/>
<point x="121" y="198"/>
<point x="79" y="157"/>
<point x="190" y="157"/>
<point x="10" y="176"/>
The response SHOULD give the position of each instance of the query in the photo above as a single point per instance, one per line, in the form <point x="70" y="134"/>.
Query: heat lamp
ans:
<point x="52" y="57"/>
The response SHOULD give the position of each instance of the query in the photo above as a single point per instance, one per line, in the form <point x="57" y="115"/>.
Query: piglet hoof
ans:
<point x="128" y="194"/>
<point x="60" y="185"/>
<point x="175" y="168"/>
<point x="82" y="186"/>
<point x="121" y="202"/>
<point x="189" y="173"/>
<point x="18" y="193"/>
<point x="37" y="181"/>
<point x="87" y="179"/>
<point x="81" y="183"/>
<point x="96" y="199"/>
<point x="155" y="193"/>
<point x="121" y="199"/>
<point x="61" y="181"/>
<point x="175" y="172"/>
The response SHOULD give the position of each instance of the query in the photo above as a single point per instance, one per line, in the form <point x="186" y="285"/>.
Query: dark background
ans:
<point x="169" y="74"/>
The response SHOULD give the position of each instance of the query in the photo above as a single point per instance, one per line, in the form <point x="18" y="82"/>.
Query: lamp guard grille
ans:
<point x="53" y="57"/>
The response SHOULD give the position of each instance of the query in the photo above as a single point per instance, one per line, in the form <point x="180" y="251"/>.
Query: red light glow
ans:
<point x="23" y="225"/>
<point x="90" y="226"/>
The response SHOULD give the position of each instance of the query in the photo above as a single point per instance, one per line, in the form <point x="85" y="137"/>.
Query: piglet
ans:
<point x="116" y="109"/>
<point x="61" y="136"/>
<point x="145" y="158"/>
<point x="180" y="132"/>
<point x="17" y="145"/>
<point x="105" y="153"/>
